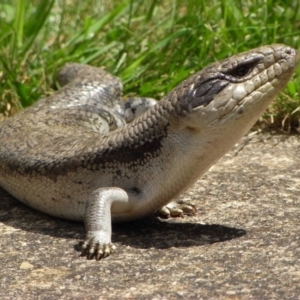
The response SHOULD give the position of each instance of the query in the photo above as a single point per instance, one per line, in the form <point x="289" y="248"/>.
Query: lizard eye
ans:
<point x="241" y="71"/>
<point x="243" y="68"/>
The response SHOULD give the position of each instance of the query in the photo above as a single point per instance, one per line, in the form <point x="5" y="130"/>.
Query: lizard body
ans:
<point x="83" y="154"/>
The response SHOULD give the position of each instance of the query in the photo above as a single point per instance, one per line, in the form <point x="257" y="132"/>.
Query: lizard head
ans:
<point x="234" y="92"/>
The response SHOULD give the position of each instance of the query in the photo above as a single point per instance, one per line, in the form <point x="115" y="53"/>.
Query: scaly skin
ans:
<point x="72" y="155"/>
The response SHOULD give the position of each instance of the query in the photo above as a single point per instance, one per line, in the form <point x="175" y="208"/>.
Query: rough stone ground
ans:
<point x="242" y="244"/>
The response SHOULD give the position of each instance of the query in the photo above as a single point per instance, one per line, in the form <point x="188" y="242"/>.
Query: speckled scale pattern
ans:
<point x="83" y="109"/>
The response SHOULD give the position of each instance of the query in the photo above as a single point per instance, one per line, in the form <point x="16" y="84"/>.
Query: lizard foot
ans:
<point x="91" y="248"/>
<point x="177" y="209"/>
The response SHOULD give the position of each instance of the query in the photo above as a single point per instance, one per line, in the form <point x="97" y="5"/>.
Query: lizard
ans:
<point x="83" y="154"/>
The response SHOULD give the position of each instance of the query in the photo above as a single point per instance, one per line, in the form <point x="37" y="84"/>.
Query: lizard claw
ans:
<point x="91" y="248"/>
<point x="188" y="207"/>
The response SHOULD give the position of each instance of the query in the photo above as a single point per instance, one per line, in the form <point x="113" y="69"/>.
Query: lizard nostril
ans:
<point x="291" y="52"/>
<point x="288" y="51"/>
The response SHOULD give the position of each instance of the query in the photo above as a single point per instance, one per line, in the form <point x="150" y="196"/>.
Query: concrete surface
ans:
<point x="242" y="244"/>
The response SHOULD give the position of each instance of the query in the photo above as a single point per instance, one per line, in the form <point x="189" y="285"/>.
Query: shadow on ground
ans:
<point x="151" y="232"/>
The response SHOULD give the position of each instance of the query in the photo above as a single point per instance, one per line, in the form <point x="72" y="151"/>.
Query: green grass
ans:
<point x="152" y="45"/>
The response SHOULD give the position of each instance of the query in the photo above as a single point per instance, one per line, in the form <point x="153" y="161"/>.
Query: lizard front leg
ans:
<point x="97" y="220"/>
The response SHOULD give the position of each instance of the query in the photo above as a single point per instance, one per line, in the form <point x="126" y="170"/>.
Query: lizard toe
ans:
<point x="180" y="208"/>
<point x="93" y="249"/>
